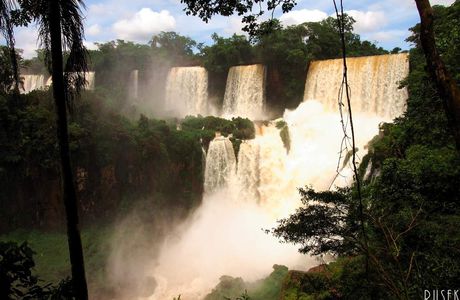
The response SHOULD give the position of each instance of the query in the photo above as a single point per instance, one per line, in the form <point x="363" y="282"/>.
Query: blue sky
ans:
<point x="385" y="22"/>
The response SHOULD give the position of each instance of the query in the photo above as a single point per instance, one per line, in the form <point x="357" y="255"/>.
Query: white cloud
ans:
<point x="368" y="21"/>
<point x="389" y="35"/>
<point x="143" y="24"/>
<point x="300" y="16"/>
<point x="93" y="29"/>
<point x="97" y="9"/>
<point x="234" y="26"/>
<point x="105" y="9"/>
<point x="442" y="2"/>
<point x="90" y="45"/>
<point x="26" y="39"/>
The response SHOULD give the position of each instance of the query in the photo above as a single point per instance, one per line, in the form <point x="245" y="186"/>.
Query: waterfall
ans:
<point x="224" y="236"/>
<point x="89" y="77"/>
<point x="203" y="160"/>
<point x="90" y="80"/>
<point x="187" y="91"/>
<point x="273" y="177"/>
<point x="133" y="89"/>
<point x="220" y="164"/>
<point x="248" y="171"/>
<point x="368" y="172"/>
<point x="33" y="82"/>
<point x="245" y="92"/>
<point x="373" y="81"/>
<point x="49" y="81"/>
<point x="266" y="174"/>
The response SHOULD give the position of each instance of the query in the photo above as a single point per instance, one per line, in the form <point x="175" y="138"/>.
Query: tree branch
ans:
<point x="447" y="88"/>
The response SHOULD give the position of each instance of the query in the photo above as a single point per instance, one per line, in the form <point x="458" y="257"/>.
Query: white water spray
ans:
<point x="133" y="88"/>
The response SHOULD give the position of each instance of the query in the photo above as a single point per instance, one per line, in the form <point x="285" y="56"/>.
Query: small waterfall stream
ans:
<point x="220" y="164"/>
<point x="248" y="172"/>
<point x="133" y="88"/>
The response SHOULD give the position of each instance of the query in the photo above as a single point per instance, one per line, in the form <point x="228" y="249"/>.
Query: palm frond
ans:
<point x="72" y="40"/>
<point x="6" y="29"/>
<point x="73" y="35"/>
<point x="39" y="12"/>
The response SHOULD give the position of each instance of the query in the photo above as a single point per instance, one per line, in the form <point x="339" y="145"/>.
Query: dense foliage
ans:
<point x="113" y="158"/>
<point x="220" y="56"/>
<point x="6" y="70"/>
<point x="50" y="256"/>
<point x="411" y="199"/>
<point x="17" y="280"/>
<point x="269" y="288"/>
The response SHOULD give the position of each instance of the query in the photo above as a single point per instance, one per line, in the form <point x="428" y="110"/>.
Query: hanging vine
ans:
<point x="349" y="121"/>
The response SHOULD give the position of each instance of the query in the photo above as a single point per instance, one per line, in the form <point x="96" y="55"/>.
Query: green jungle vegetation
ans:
<point x="125" y="160"/>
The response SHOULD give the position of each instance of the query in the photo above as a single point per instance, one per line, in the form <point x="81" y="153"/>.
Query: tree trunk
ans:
<point x="69" y="194"/>
<point x="446" y="85"/>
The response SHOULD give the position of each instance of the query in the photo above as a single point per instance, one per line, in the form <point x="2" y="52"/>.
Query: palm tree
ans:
<point x="61" y="27"/>
<point x="6" y="29"/>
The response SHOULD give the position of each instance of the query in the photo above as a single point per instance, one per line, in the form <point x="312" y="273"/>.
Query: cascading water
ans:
<point x="248" y="174"/>
<point x="89" y="77"/>
<point x="90" y="80"/>
<point x="187" y="91"/>
<point x="224" y="236"/>
<point x="49" y="81"/>
<point x="373" y="81"/>
<point x="220" y="164"/>
<point x="133" y="89"/>
<point x="32" y="82"/>
<point x="245" y="92"/>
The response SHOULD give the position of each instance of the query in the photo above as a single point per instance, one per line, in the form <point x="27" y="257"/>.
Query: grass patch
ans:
<point x="51" y="257"/>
